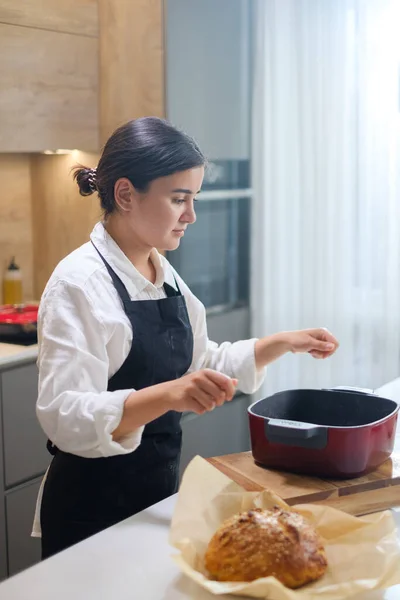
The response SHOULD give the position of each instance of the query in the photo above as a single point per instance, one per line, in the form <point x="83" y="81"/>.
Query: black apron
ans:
<point x="83" y="496"/>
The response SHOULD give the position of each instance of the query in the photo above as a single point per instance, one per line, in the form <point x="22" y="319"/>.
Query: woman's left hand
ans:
<point x="320" y="343"/>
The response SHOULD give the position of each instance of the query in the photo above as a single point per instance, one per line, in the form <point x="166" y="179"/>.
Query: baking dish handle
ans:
<point x="351" y="390"/>
<point x="296" y="433"/>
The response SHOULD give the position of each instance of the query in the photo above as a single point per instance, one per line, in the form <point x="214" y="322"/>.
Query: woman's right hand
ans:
<point x="200" y="392"/>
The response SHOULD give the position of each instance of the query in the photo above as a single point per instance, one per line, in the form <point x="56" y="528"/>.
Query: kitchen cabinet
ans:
<point x="71" y="71"/>
<point x="48" y="89"/>
<point x="3" y="543"/>
<point x="74" y="70"/>
<point x="23" y="461"/>
<point x="24" y="443"/>
<point x="208" y="72"/>
<point x="225" y="430"/>
<point x="229" y="325"/>
<point x="131" y="62"/>
<point x="23" y="550"/>
<point x="69" y="16"/>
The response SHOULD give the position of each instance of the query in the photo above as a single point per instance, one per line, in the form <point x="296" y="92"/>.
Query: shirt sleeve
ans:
<point x="237" y="359"/>
<point x="74" y="408"/>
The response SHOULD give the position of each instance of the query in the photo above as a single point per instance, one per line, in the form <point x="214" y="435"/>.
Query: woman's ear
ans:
<point x="124" y="194"/>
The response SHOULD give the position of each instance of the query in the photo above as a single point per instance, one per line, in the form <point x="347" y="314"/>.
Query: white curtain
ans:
<point x="326" y="175"/>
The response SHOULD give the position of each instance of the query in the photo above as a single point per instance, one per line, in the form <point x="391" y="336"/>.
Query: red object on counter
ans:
<point x="328" y="433"/>
<point x="18" y="314"/>
<point x="18" y="324"/>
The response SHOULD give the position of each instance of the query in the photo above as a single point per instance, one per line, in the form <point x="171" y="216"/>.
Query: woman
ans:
<point x="123" y="346"/>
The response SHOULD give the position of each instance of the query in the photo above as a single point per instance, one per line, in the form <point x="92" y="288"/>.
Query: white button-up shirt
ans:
<point x="85" y="337"/>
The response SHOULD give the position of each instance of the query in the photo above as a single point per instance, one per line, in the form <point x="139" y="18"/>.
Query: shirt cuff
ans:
<point x="244" y="366"/>
<point x="108" y="420"/>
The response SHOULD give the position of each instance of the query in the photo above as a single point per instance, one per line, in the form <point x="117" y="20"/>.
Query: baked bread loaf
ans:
<point x="263" y="543"/>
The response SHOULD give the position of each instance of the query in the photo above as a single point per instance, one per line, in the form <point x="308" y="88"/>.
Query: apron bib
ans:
<point x="82" y="496"/>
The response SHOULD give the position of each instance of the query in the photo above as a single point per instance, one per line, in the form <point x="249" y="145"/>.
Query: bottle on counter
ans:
<point x="12" y="284"/>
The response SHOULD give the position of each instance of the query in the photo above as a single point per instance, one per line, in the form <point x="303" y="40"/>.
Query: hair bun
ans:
<point x="86" y="180"/>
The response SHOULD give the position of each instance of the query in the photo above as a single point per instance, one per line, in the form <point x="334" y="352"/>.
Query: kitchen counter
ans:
<point x="132" y="560"/>
<point x="14" y="354"/>
<point x="128" y="561"/>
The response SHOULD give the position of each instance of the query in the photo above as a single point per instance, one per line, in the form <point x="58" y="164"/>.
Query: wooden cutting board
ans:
<point x="377" y="491"/>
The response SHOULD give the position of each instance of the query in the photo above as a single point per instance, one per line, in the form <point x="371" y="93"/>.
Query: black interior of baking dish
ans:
<point x="335" y="408"/>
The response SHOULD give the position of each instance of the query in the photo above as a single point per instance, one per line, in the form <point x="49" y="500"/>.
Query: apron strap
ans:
<point x="123" y="292"/>
<point x="171" y="291"/>
<point x="119" y="286"/>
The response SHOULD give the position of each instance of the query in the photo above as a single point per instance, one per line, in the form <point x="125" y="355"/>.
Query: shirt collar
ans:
<point x="134" y="281"/>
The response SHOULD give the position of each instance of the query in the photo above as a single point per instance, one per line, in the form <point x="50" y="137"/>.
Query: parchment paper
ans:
<point x="363" y="553"/>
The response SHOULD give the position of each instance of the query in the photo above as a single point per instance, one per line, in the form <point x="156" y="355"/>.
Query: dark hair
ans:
<point x="141" y="150"/>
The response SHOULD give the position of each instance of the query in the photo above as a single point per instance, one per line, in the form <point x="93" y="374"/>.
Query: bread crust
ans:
<point x="263" y="543"/>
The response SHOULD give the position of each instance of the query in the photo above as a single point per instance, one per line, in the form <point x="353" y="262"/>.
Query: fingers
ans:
<point x="224" y="382"/>
<point x="202" y="398"/>
<point x="323" y="349"/>
<point x="216" y="393"/>
<point x="326" y="336"/>
<point x="320" y="346"/>
<point x="209" y="389"/>
<point x="323" y="343"/>
<point x="195" y="407"/>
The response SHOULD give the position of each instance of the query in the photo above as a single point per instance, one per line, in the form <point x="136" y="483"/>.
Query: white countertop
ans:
<point x="131" y="561"/>
<point x="13" y="354"/>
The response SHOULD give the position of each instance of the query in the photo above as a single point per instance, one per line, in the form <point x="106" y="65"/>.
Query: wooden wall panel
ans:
<point x="52" y="53"/>
<point x="62" y="219"/>
<point x="48" y="90"/>
<point x="15" y="218"/>
<point x="71" y="16"/>
<point x="131" y="61"/>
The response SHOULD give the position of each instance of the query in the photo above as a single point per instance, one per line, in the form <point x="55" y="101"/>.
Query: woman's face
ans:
<point x="159" y="217"/>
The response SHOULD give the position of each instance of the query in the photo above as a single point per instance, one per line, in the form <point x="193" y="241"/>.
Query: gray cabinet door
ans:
<point x="229" y="326"/>
<point x="3" y="546"/>
<point x="225" y="430"/>
<point x="25" y="454"/>
<point x="213" y="37"/>
<point x="23" y="550"/>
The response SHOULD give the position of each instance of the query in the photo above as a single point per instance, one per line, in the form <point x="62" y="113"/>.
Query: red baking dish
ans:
<point x="327" y="433"/>
<point x="18" y="324"/>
